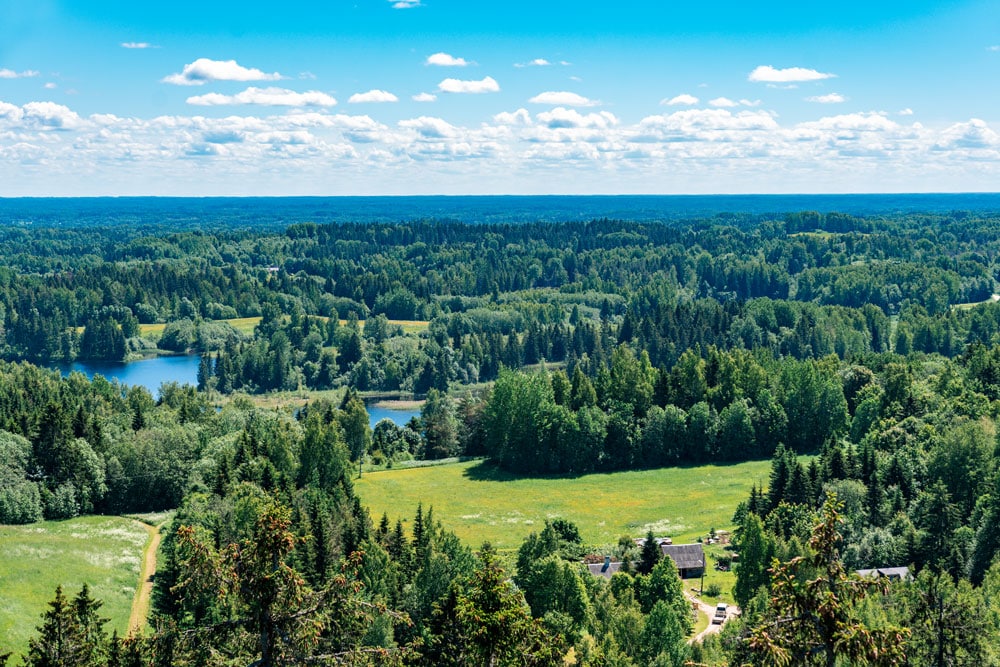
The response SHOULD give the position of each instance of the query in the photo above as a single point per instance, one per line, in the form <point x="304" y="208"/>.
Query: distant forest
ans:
<point x="860" y="354"/>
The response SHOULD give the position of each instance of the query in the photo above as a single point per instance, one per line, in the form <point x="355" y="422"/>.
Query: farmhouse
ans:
<point x="890" y="573"/>
<point x="605" y="569"/>
<point x="689" y="558"/>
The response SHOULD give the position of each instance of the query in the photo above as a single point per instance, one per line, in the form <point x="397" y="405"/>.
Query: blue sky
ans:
<point x="442" y="96"/>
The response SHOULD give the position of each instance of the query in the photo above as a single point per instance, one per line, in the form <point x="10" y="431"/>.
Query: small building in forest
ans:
<point x="689" y="559"/>
<point x="605" y="569"/>
<point x="890" y="573"/>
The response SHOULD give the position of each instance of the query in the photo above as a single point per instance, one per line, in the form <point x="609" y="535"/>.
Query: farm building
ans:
<point x="689" y="558"/>
<point x="890" y="573"/>
<point x="605" y="569"/>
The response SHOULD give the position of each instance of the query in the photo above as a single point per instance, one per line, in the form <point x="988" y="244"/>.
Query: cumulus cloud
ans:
<point x="441" y="59"/>
<point x="372" y="96"/>
<point x="137" y="45"/>
<point x="563" y="98"/>
<point x="277" y="151"/>
<point x="204" y="70"/>
<point x="519" y="117"/>
<point x="682" y="99"/>
<point x="768" y="74"/>
<point x="723" y="102"/>
<point x="485" y="85"/>
<point x="430" y="127"/>
<point x="972" y="135"/>
<point x="906" y="112"/>
<point x="570" y="118"/>
<point x="49" y="115"/>
<point x="829" y="98"/>
<point x="11" y="74"/>
<point x="275" y="97"/>
<point x="424" y="97"/>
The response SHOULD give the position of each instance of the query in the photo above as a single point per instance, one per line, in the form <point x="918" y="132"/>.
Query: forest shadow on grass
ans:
<point x="488" y="471"/>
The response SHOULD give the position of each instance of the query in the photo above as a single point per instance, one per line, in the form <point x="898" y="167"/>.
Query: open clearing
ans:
<point x="481" y="503"/>
<point x="246" y="325"/>
<point x="104" y="552"/>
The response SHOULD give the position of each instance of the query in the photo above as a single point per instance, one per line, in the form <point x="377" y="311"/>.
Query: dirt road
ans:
<point x="144" y="592"/>
<point x="709" y="610"/>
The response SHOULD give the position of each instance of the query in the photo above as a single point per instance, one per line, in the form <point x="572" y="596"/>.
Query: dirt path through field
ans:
<point x="144" y="592"/>
<point x="709" y="610"/>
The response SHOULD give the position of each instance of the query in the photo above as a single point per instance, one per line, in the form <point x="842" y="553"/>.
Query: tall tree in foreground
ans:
<point x="493" y="626"/>
<point x="812" y="618"/>
<point x="262" y="611"/>
<point x="71" y="635"/>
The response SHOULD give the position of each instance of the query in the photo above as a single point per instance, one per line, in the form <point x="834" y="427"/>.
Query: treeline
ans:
<point x="666" y="285"/>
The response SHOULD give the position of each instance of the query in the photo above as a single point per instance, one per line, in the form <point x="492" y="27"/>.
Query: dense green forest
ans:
<point x="860" y="355"/>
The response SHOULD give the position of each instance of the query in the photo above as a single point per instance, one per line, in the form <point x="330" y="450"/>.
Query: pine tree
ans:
<point x="651" y="553"/>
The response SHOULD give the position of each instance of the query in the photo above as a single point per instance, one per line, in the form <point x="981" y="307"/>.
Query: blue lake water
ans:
<point x="398" y="417"/>
<point x="149" y="373"/>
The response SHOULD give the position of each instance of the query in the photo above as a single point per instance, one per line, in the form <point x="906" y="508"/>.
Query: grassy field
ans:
<point x="247" y="324"/>
<point x="104" y="552"/>
<point x="479" y="502"/>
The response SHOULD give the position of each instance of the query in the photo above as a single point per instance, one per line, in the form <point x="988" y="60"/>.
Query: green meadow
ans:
<point x="481" y="503"/>
<point x="104" y="552"/>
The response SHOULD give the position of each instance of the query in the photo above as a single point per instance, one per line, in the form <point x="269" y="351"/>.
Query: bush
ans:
<point x="62" y="503"/>
<point x="179" y="336"/>
<point x="20" y="503"/>
<point x="712" y="590"/>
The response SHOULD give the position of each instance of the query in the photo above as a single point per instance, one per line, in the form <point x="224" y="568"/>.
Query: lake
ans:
<point x="399" y="417"/>
<point x="149" y="373"/>
<point x="154" y="371"/>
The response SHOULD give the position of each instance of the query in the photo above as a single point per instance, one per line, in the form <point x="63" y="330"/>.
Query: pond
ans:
<point x="398" y="416"/>
<point x="154" y="371"/>
<point x="149" y="373"/>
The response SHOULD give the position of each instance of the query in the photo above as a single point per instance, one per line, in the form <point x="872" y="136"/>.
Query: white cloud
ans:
<point x="519" y="117"/>
<point x="972" y="135"/>
<point x="137" y="45"/>
<point x="563" y="98"/>
<point x="50" y="86"/>
<point x="538" y="62"/>
<point x="276" y="97"/>
<point x="570" y="118"/>
<point x="486" y="85"/>
<point x="445" y="60"/>
<point x="430" y="127"/>
<point x="906" y="112"/>
<point x="750" y="103"/>
<point x="682" y="99"/>
<point x="46" y="148"/>
<point x="723" y="102"/>
<point x="405" y="4"/>
<point x="995" y="47"/>
<point x="203" y="70"/>
<point x="11" y="74"/>
<point x="855" y="122"/>
<point x="49" y="115"/>
<point x="424" y="97"/>
<point x="829" y="98"/>
<point x="768" y="74"/>
<point x="373" y="96"/>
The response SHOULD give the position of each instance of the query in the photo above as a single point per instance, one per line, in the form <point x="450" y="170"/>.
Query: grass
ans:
<point x="481" y="503"/>
<point x="246" y="325"/>
<point x="104" y="552"/>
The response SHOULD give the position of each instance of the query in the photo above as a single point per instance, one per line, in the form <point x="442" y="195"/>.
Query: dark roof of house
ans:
<point x="599" y="569"/>
<point x="887" y="572"/>
<point x="685" y="556"/>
